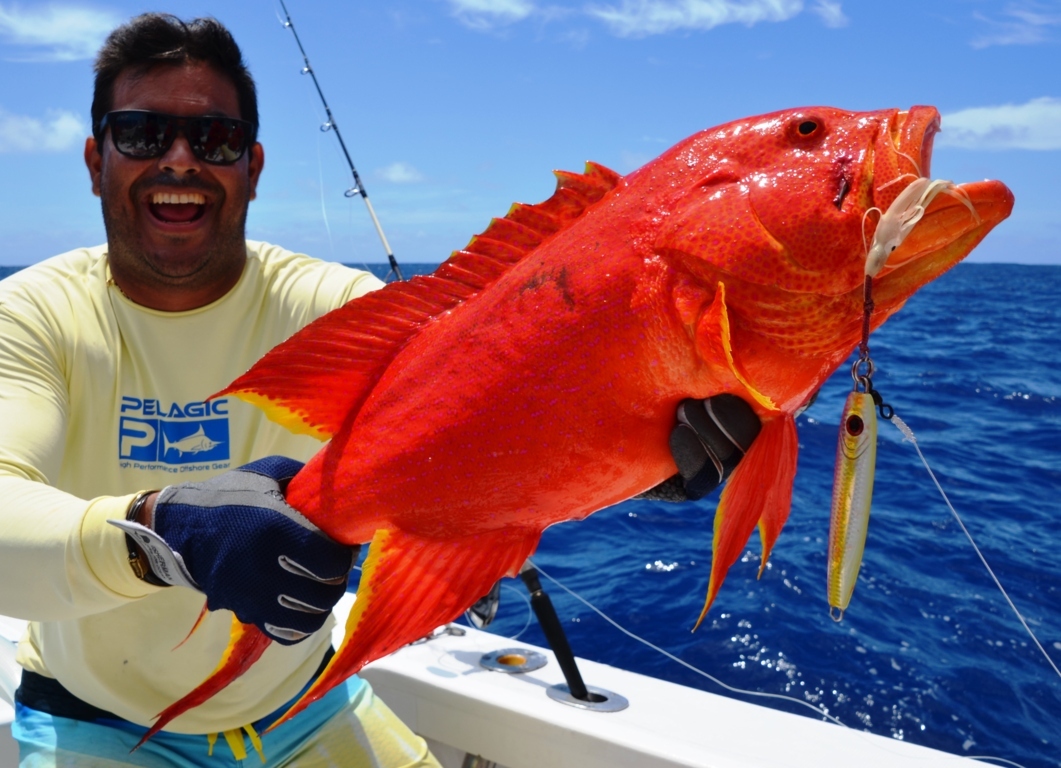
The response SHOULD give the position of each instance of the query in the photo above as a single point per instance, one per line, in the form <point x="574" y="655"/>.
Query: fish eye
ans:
<point x="805" y="129"/>
<point x="854" y="425"/>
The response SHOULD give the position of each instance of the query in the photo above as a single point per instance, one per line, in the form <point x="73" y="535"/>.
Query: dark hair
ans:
<point x="160" y="39"/>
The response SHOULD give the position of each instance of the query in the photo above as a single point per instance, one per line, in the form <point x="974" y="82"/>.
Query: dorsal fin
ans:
<point x="322" y="375"/>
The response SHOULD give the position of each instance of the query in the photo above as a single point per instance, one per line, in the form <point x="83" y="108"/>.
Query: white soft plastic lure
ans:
<point x="856" y="458"/>
<point x="903" y="215"/>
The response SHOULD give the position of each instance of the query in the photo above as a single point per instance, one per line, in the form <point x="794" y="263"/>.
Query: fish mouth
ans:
<point x="954" y="221"/>
<point x="902" y="152"/>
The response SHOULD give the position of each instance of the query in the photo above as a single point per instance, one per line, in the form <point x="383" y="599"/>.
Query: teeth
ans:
<point x="168" y="198"/>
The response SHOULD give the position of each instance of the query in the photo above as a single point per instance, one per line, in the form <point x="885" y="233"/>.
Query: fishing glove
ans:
<point x="237" y="540"/>
<point x="708" y="442"/>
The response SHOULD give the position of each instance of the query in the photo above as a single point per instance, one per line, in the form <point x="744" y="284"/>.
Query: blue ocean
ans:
<point x="928" y="651"/>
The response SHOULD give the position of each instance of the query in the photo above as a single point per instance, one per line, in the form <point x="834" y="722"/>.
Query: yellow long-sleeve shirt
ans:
<point x="101" y="398"/>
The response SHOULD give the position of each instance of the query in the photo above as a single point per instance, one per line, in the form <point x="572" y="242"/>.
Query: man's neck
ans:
<point x="171" y="295"/>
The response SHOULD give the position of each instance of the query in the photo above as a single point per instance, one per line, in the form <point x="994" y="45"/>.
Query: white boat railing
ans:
<point x="441" y="689"/>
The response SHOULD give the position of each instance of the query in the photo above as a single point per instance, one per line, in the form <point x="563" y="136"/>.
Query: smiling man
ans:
<point x="175" y="227"/>
<point x="107" y="357"/>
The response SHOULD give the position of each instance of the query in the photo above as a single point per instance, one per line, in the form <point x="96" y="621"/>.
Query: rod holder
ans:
<point x="554" y="632"/>
<point x="575" y="693"/>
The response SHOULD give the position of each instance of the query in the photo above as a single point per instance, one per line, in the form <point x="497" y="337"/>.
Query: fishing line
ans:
<point x="324" y="208"/>
<point x="530" y="613"/>
<point x="764" y="694"/>
<point x="908" y="436"/>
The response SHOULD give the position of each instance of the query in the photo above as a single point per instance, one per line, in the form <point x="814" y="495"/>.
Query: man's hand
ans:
<point x="235" y="539"/>
<point x="707" y="443"/>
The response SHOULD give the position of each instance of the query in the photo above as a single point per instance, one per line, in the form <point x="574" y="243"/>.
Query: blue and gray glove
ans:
<point x="709" y="440"/>
<point x="237" y="540"/>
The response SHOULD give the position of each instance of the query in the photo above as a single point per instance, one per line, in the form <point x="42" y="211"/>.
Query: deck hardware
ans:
<point x="450" y="629"/>
<point x="597" y="699"/>
<point x="477" y="761"/>
<point x="484" y="610"/>
<point x="575" y="692"/>
<point x="513" y="660"/>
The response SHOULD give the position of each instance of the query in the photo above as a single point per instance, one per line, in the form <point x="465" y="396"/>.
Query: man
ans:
<point x="107" y="356"/>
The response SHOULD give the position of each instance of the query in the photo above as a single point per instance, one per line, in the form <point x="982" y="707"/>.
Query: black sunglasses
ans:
<point x="143" y="134"/>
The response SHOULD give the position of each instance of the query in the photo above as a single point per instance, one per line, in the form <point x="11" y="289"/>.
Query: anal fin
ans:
<point x="409" y="586"/>
<point x="758" y="493"/>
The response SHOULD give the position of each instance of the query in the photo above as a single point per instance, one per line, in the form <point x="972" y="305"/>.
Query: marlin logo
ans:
<point x="194" y="443"/>
<point x="173" y="433"/>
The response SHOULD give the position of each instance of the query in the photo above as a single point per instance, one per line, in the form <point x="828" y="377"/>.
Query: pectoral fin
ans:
<point x="758" y="493"/>
<point x="714" y="343"/>
<point x="409" y="586"/>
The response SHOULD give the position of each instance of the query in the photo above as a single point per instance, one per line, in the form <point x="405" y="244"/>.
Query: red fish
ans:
<point x="534" y="377"/>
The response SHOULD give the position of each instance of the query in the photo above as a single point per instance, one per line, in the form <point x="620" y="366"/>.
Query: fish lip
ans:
<point x="945" y="235"/>
<point x="948" y="230"/>
<point x="915" y="136"/>
<point x="903" y="150"/>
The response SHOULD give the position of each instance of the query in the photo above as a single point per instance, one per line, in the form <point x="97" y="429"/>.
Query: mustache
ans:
<point x="180" y="185"/>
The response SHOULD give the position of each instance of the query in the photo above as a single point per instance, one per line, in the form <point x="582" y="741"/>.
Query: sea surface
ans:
<point x="928" y="651"/>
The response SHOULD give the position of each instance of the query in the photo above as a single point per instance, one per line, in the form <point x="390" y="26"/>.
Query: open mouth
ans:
<point x="938" y="230"/>
<point x="177" y="208"/>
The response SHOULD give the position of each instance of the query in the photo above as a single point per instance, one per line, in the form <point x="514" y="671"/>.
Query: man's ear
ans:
<point x="94" y="163"/>
<point x="255" y="163"/>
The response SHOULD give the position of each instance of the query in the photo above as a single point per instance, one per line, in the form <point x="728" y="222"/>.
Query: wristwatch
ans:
<point x="137" y="560"/>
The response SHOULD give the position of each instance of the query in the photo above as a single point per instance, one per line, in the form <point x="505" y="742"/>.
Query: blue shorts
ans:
<point x="347" y="728"/>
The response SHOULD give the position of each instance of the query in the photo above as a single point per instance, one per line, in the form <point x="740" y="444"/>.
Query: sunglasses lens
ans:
<point x="140" y="134"/>
<point x="215" y="140"/>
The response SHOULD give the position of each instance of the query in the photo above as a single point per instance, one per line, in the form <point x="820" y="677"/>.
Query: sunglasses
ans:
<point x="142" y="134"/>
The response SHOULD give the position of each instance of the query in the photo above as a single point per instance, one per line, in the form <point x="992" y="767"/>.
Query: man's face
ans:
<point x="165" y="253"/>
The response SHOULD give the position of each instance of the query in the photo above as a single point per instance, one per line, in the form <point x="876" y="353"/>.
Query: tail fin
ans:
<point x="412" y="584"/>
<point x="246" y="645"/>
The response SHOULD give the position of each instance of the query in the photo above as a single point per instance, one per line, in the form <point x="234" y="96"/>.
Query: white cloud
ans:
<point x="58" y="132"/>
<point x="631" y="161"/>
<point x="487" y="14"/>
<point x="56" y="32"/>
<point x="831" y="14"/>
<point x="400" y="173"/>
<point x="1034" y="125"/>
<point x="1025" y="24"/>
<point x="639" y="18"/>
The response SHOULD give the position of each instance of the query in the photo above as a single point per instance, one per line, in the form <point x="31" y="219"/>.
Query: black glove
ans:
<point x="708" y="442"/>
<point x="235" y="539"/>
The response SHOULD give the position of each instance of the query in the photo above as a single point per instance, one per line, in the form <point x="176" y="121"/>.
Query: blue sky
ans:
<point x="453" y="109"/>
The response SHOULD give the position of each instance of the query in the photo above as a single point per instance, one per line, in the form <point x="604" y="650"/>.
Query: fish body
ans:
<point x="856" y="459"/>
<point x="534" y="378"/>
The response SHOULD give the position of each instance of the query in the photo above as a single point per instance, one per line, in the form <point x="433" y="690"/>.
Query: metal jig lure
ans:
<point x="856" y="459"/>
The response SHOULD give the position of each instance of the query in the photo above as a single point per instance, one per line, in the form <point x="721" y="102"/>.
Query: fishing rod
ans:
<point x="331" y="125"/>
